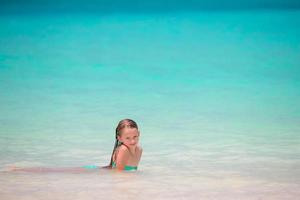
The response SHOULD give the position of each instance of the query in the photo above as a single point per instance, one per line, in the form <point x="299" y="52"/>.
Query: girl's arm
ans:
<point x="122" y="158"/>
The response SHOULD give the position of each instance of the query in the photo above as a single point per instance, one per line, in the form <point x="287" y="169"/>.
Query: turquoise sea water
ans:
<point x="216" y="96"/>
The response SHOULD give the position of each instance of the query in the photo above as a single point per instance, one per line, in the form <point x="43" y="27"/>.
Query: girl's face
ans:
<point x="129" y="137"/>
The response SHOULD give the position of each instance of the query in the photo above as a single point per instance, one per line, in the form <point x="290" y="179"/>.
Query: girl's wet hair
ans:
<point x="125" y="123"/>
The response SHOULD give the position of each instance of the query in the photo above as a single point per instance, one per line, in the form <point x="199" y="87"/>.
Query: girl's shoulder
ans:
<point x="139" y="148"/>
<point x="124" y="149"/>
<point x="139" y="151"/>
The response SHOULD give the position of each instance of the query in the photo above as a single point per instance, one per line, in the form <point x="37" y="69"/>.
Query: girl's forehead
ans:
<point x="129" y="132"/>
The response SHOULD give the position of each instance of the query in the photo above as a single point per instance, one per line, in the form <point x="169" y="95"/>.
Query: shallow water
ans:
<point x="216" y="96"/>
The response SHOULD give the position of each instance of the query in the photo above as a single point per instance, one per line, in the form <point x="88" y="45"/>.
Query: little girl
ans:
<point x="126" y="154"/>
